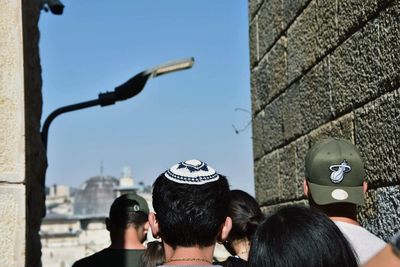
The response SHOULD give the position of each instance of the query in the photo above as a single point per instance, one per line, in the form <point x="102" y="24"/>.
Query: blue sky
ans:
<point x="97" y="45"/>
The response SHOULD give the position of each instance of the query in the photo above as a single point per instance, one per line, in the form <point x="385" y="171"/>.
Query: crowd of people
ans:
<point x="194" y="209"/>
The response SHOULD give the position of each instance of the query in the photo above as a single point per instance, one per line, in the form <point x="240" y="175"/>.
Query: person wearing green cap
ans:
<point x="128" y="226"/>
<point x="335" y="184"/>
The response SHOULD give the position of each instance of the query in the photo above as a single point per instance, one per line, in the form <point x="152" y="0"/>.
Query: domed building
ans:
<point x="95" y="196"/>
<point x="67" y="237"/>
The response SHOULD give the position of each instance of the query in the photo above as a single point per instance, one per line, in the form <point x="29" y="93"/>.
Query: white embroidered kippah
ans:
<point x="194" y="172"/>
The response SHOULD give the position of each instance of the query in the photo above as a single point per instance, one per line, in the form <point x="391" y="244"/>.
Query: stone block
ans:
<point x="307" y="103"/>
<point x="259" y="86"/>
<point x="272" y="130"/>
<point x="368" y="63"/>
<point x="12" y="132"/>
<point x="276" y="72"/>
<point x="291" y="9"/>
<point x="254" y="5"/>
<point x="302" y="42"/>
<point x="255" y="102"/>
<point x="258" y="136"/>
<point x="378" y="138"/>
<point x="291" y="170"/>
<point x="12" y="227"/>
<point x="266" y="172"/>
<point x="268" y="79"/>
<point x="326" y="34"/>
<point x="270" y="24"/>
<point x="342" y="127"/>
<point x="287" y="173"/>
<point x="381" y="212"/>
<point x="253" y="43"/>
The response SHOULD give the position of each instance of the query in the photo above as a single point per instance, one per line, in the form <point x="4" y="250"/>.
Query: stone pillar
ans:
<point x="324" y="68"/>
<point x="12" y="137"/>
<point x="22" y="159"/>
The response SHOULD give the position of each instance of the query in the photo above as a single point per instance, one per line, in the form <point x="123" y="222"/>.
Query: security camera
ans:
<point x="55" y="6"/>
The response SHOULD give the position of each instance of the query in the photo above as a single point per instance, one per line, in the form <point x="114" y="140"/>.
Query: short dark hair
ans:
<point x="190" y="215"/>
<point x="246" y="215"/>
<point x="122" y="214"/>
<point x="300" y="236"/>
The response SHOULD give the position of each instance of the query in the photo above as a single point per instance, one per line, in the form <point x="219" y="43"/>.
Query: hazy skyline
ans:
<point x="97" y="45"/>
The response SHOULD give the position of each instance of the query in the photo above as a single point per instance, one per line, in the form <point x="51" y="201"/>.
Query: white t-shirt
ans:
<point x="364" y="243"/>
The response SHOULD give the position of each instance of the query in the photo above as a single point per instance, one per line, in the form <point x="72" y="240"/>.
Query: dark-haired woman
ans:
<point x="153" y="256"/>
<point x="297" y="236"/>
<point x="246" y="215"/>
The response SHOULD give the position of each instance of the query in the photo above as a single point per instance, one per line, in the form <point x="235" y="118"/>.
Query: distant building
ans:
<point x="74" y="226"/>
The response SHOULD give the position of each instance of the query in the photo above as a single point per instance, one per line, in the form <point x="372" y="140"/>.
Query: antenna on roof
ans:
<point x="101" y="168"/>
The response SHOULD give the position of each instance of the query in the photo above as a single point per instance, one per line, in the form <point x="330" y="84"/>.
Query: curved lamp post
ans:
<point x="125" y="91"/>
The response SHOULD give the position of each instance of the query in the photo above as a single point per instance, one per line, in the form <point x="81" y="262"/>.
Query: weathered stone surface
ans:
<point x="269" y="210"/>
<point x="259" y="86"/>
<point x="272" y="130"/>
<point x="291" y="170"/>
<point x="381" y="212"/>
<point x="253" y="42"/>
<point x="307" y="103"/>
<point x="327" y="34"/>
<point x="291" y="9"/>
<point x="270" y="24"/>
<point x="12" y="156"/>
<point x="302" y="42"/>
<point x="302" y="147"/>
<point x="12" y="227"/>
<point x="367" y="64"/>
<point x="342" y="127"/>
<point x="352" y="13"/>
<point x="322" y="26"/>
<point x="266" y="172"/>
<point x="258" y="137"/>
<point x="378" y="138"/>
<point x="268" y="79"/>
<point x="255" y="102"/>
<point x="254" y="5"/>
<point x="276" y="72"/>
<point x="287" y="173"/>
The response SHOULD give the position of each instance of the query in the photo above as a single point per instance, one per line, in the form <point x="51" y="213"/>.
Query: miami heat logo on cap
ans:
<point x="338" y="171"/>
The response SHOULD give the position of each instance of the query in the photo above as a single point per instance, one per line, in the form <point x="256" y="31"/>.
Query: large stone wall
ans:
<point x="22" y="159"/>
<point x="326" y="68"/>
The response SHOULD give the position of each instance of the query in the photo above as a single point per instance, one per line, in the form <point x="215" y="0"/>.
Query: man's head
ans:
<point x="334" y="173"/>
<point x="191" y="203"/>
<point x="128" y="211"/>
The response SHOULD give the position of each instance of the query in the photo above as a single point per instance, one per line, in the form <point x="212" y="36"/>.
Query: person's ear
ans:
<point x="226" y="228"/>
<point x="365" y="187"/>
<point x="108" y="224"/>
<point x="305" y="187"/>
<point x="155" y="229"/>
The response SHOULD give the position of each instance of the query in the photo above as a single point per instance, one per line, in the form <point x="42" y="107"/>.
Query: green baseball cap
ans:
<point x="128" y="203"/>
<point x="335" y="172"/>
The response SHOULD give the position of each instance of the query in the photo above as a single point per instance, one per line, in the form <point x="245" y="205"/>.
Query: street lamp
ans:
<point x="125" y="91"/>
